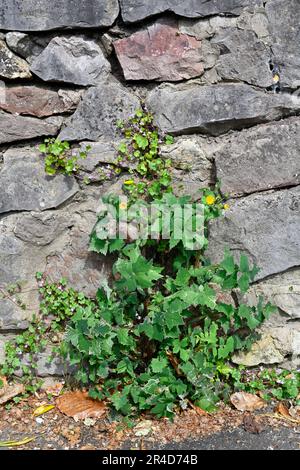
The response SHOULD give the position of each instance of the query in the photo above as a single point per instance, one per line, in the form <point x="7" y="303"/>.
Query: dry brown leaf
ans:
<point x="243" y="401"/>
<point x="11" y="391"/>
<point x="282" y="410"/>
<point x="79" y="405"/>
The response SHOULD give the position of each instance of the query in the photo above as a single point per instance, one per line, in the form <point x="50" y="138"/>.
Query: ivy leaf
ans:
<point x="244" y="264"/>
<point x="244" y="282"/>
<point x="97" y="245"/>
<point x="173" y="319"/>
<point x="183" y="277"/>
<point x="226" y="350"/>
<point x="228" y="263"/>
<point x="123" y="337"/>
<point x="142" y="142"/>
<point x="158" y="365"/>
<point x="136" y="273"/>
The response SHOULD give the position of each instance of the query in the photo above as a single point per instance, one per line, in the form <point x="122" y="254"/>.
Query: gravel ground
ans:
<point x="190" y="430"/>
<point x="239" y="439"/>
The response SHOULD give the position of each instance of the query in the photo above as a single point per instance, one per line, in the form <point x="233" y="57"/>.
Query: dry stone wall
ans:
<point x="206" y="70"/>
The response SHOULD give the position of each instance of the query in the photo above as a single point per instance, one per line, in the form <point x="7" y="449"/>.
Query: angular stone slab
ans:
<point x="73" y="59"/>
<point x="98" y="113"/>
<point x="17" y="264"/>
<point x="54" y="241"/>
<point x="28" y="46"/>
<point x="42" y="15"/>
<point x="14" y="128"/>
<point x="284" y="20"/>
<point x="25" y="185"/>
<point x="135" y="11"/>
<point x="264" y="226"/>
<point x="283" y="290"/>
<point x="263" y="351"/>
<point x="39" y="101"/>
<point x="246" y="57"/>
<point x="12" y="66"/>
<point x="260" y="158"/>
<point x="161" y="53"/>
<point x="188" y="108"/>
<point x="191" y="167"/>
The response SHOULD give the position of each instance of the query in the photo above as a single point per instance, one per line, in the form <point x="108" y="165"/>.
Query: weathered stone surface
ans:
<point x="284" y="20"/>
<point x="25" y="185"/>
<point x="259" y="158"/>
<point x="161" y="53"/>
<point x="3" y="340"/>
<point x="42" y="15"/>
<point x="42" y="228"/>
<point x="97" y="166"/>
<point x="263" y="351"/>
<point x="243" y="57"/>
<point x="39" y="101"/>
<point x="55" y="242"/>
<point x="191" y="168"/>
<point x="265" y="227"/>
<point x="73" y="59"/>
<point x="256" y="20"/>
<point x="12" y="66"/>
<point x="203" y="29"/>
<point x="13" y="128"/>
<point x="99" y="112"/>
<point x="83" y="269"/>
<point x="282" y="290"/>
<point x="216" y="109"/>
<point x="28" y="46"/>
<point x="17" y="265"/>
<point x="279" y="344"/>
<point x="45" y="367"/>
<point x="136" y="11"/>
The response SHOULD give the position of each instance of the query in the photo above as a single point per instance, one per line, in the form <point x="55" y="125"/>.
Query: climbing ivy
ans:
<point x="59" y="157"/>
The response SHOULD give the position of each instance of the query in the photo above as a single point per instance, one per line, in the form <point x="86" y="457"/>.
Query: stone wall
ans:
<point x="209" y="72"/>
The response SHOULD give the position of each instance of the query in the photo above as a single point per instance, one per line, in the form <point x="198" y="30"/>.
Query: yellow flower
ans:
<point x="226" y="207"/>
<point x="276" y="78"/>
<point x="210" y="200"/>
<point x="123" y="205"/>
<point x="128" y="182"/>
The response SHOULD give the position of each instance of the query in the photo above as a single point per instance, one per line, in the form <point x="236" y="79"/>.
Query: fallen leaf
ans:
<point x="251" y="424"/>
<point x="282" y="410"/>
<point x="42" y="410"/>
<point x="79" y="405"/>
<point x="11" y="391"/>
<point x="16" y="443"/>
<point x="243" y="401"/>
